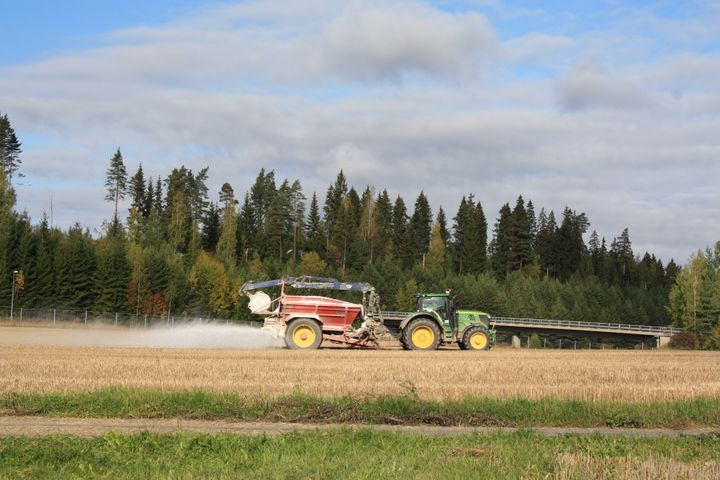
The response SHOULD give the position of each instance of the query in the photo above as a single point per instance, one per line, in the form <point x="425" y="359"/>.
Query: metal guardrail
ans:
<point x="586" y="326"/>
<point x="395" y="315"/>
<point x="583" y="326"/>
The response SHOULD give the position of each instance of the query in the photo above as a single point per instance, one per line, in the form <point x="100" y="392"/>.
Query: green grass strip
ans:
<point x="472" y="411"/>
<point x="360" y="454"/>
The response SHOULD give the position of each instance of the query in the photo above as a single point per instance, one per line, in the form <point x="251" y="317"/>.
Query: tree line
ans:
<point x="181" y="249"/>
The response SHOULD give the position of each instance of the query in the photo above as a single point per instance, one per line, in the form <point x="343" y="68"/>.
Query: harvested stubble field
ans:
<point x="635" y="376"/>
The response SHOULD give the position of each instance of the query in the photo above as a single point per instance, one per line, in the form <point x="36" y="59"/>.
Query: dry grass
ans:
<point x="503" y="373"/>
<point x="574" y="465"/>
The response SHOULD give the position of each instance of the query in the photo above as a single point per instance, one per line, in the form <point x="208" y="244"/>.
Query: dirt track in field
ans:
<point x="90" y="427"/>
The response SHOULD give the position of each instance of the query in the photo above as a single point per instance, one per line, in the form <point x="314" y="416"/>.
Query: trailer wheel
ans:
<point x="303" y="334"/>
<point x="421" y="334"/>
<point x="476" y="338"/>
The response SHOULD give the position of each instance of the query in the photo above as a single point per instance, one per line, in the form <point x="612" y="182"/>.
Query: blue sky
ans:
<point x="612" y="108"/>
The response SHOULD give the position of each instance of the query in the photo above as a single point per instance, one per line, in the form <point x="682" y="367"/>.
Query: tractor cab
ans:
<point x="443" y="305"/>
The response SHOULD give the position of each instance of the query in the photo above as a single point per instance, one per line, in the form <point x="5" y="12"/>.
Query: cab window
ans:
<point x="436" y="304"/>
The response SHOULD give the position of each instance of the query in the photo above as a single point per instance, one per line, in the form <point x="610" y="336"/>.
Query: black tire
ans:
<point x="428" y="327"/>
<point x="468" y="343"/>
<point x="462" y="345"/>
<point x="303" y="334"/>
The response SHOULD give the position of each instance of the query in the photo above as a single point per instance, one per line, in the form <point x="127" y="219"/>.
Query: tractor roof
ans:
<point x="433" y="295"/>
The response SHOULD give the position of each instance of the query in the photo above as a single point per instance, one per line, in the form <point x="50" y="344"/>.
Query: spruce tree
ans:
<point x="345" y="233"/>
<point x="400" y="244"/>
<point x="112" y="276"/>
<point x="384" y="222"/>
<point x="545" y="242"/>
<point x="441" y="221"/>
<point x="211" y="228"/>
<point x="520" y="237"/>
<point x="470" y="240"/>
<point x="314" y="228"/>
<point x="420" y="228"/>
<point x="502" y="248"/>
<point x="76" y="268"/>
<point x="334" y="197"/>
<point x="149" y="202"/>
<point x="138" y="193"/>
<point x="569" y="245"/>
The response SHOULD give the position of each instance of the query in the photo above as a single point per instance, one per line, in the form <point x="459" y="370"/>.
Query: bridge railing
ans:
<point x="395" y="315"/>
<point x="651" y="329"/>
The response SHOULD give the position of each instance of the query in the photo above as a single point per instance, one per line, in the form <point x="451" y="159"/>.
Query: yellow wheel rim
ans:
<point x="304" y="336"/>
<point x="478" y="340"/>
<point x="423" y="337"/>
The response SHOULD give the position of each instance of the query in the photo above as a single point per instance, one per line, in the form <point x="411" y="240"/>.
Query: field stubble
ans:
<point x="632" y="376"/>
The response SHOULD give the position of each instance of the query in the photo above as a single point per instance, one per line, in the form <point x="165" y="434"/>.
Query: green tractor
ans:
<point x="436" y="320"/>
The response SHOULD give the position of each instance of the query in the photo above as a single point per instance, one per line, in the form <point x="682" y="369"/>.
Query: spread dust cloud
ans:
<point x="191" y="335"/>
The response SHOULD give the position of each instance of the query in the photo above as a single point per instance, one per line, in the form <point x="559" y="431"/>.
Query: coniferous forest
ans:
<point x="185" y="249"/>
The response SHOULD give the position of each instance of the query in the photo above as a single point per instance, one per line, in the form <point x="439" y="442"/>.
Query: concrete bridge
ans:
<point x="518" y="326"/>
<point x="618" y="330"/>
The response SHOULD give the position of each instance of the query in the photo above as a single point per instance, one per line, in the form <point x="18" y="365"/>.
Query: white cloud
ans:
<point x="589" y="85"/>
<point x="380" y="42"/>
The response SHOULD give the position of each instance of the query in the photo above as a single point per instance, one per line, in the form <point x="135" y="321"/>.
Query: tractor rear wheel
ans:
<point x="303" y="334"/>
<point x="476" y="338"/>
<point x="421" y="334"/>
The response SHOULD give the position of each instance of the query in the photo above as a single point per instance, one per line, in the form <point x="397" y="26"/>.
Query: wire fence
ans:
<point x="66" y="317"/>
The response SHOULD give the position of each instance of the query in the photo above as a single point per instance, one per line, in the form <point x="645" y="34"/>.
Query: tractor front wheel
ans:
<point x="303" y="334"/>
<point x="476" y="338"/>
<point x="421" y="334"/>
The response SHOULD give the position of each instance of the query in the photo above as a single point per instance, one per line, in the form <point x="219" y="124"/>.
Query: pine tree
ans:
<point x="368" y="224"/>
<point x="9" y="150"/>
<point x="227" y="244"/>
<point x="297" y="216"/>
<point x="247" y="233"/>
<point x="116" y="181"/>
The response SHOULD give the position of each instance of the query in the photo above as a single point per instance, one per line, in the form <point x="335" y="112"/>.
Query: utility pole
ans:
<point x="12" y="294"/>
